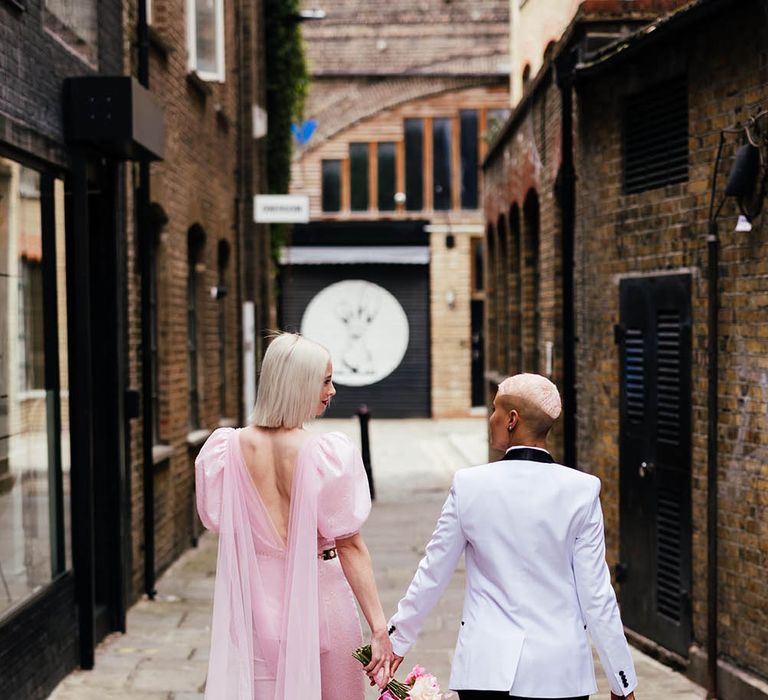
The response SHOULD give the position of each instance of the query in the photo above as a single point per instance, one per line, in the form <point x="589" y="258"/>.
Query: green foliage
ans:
<point x="287" y="84"/>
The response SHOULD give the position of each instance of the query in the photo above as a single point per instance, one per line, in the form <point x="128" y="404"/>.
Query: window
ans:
<point x="358" y="176"/>
<point x="441" y="163"/>
<point x="221" y="295"/>
<point x="153" y="339"/>
<point x="205" y="38"/>
<point x="195" y="245"/>
<point x="32" y="350"/>
<point x="75" y="24"/>
<point x="386" y="160"/>
<point x="469" y="159"/>
<point x="34" y="469"/>
<point x="656" y="137"/>
<point x="414" y="164"/>
<point x="331" y="185"/>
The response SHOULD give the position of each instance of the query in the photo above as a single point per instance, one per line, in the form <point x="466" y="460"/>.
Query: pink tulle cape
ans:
<point x="265" y="610"/>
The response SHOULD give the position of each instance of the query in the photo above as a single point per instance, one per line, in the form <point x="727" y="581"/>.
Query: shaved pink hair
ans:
<point x="538" y="391"/>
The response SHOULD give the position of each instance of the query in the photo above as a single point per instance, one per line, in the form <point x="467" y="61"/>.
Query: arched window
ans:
<point x="222" y="251"/>
<point x="195" y="247"/>
<point x="515" y="289"/>
<point x="157" y="220"/>
<point x="530" y="282"/>
<point x="502" y="270"/>
<point x="491" y="296"/>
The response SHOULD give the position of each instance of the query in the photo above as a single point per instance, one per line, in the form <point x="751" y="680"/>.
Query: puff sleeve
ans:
<point x="210" y="466"/>
<point x="344" y="500"/>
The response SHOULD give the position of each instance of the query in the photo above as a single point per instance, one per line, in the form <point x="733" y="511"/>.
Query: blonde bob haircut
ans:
<point x="292" y="375"/>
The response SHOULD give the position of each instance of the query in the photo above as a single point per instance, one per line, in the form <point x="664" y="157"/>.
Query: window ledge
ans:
<point x="228" y="423"/>
<point x="198" y="84"/>
<point x="161" y="453"/>
<point x="159" y="42"/>
<point x="195" y="438"/>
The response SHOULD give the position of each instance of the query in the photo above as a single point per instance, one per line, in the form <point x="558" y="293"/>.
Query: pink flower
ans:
<point x="425" y="687"/>
<point x="387" y="696"/>
<point x="416" y="672"/>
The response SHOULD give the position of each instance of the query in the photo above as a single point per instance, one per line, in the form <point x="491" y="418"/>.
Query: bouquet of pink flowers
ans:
<point x="419" y="685"/>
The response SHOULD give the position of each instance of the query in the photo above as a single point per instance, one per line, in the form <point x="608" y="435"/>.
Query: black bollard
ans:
<point x="365" y="416"/>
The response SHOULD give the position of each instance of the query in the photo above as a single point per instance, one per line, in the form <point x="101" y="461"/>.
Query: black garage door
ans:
<point x="375" y="320"/>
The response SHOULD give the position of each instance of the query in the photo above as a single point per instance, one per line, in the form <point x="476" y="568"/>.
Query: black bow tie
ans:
<point x="529" y="454"/>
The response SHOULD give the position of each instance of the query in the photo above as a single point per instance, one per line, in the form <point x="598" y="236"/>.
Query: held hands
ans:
<point x="380" y="670"/>
<point x="396" y="664"/>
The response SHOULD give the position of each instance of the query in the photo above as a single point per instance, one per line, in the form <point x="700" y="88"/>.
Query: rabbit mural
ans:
<point x="357" y="314"/>
<point x="364" y="327"/>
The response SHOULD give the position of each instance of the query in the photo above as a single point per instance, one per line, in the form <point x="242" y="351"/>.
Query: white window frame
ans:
<point x="212" y="76"/>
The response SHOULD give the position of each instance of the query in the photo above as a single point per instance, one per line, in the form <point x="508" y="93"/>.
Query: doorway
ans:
<point x="654" y="337"/>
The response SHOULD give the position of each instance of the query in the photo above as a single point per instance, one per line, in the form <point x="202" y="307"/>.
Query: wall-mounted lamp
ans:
<point x="218" y="292"/>
<point x="450" y="299"/>
<point x="743" y="224"/>
<point x="450" y="241"/>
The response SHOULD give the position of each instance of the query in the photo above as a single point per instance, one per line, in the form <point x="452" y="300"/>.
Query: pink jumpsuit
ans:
<point x="285" y="622"/>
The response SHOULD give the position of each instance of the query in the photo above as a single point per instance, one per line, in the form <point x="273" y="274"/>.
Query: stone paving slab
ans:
<point x="163" y="655"/>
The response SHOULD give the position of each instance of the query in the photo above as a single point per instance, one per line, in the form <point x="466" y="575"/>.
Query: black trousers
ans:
<point x="498" y="695"/>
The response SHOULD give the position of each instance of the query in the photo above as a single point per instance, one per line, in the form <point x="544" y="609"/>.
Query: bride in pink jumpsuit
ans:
<point x="288" y="506"/>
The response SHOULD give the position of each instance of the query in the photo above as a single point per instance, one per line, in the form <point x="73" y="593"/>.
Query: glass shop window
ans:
<point x="34" y="414"/>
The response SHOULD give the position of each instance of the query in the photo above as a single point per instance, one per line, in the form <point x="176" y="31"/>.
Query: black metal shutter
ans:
<point x="405" y="392"/>
<point x="656" y="136"/>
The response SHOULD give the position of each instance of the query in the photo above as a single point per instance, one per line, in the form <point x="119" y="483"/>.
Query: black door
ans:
<point x="478" y="353"/>
<point x="655" y="458"/>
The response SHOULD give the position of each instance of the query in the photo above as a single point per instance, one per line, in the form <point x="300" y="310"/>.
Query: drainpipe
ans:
<point x="712" y="356"/>
<point x="713" y="304"/>
<point x="145" y="255"/>
<point x="566" y="191"/>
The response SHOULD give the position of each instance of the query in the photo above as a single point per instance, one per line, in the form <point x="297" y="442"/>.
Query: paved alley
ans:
<point x="163" y="655"/>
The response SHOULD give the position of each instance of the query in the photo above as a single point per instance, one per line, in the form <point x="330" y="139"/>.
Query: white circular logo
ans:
<point x="364" y="328"/>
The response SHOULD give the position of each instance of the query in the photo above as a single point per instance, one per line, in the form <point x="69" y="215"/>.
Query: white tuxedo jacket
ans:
<point x="536" y="583"/>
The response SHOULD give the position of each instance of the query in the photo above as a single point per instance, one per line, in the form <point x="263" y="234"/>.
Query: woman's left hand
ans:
<point x="382" y="656"/>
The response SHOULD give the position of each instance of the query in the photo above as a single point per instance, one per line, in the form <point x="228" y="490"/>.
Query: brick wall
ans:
<point x="449" y="278"/>
<point x="665" y="230"/>
<point x="524" y="269"/>
<point x="195" y="185"/>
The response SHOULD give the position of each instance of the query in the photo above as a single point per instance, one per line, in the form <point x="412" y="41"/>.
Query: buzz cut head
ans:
<point x="535" y="398"/>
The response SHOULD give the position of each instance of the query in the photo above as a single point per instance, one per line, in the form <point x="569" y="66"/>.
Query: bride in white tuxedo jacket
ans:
<point x="537" y="583"/>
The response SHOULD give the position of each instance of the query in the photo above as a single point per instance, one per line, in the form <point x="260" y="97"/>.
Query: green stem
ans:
<point x="398" y="689"/>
